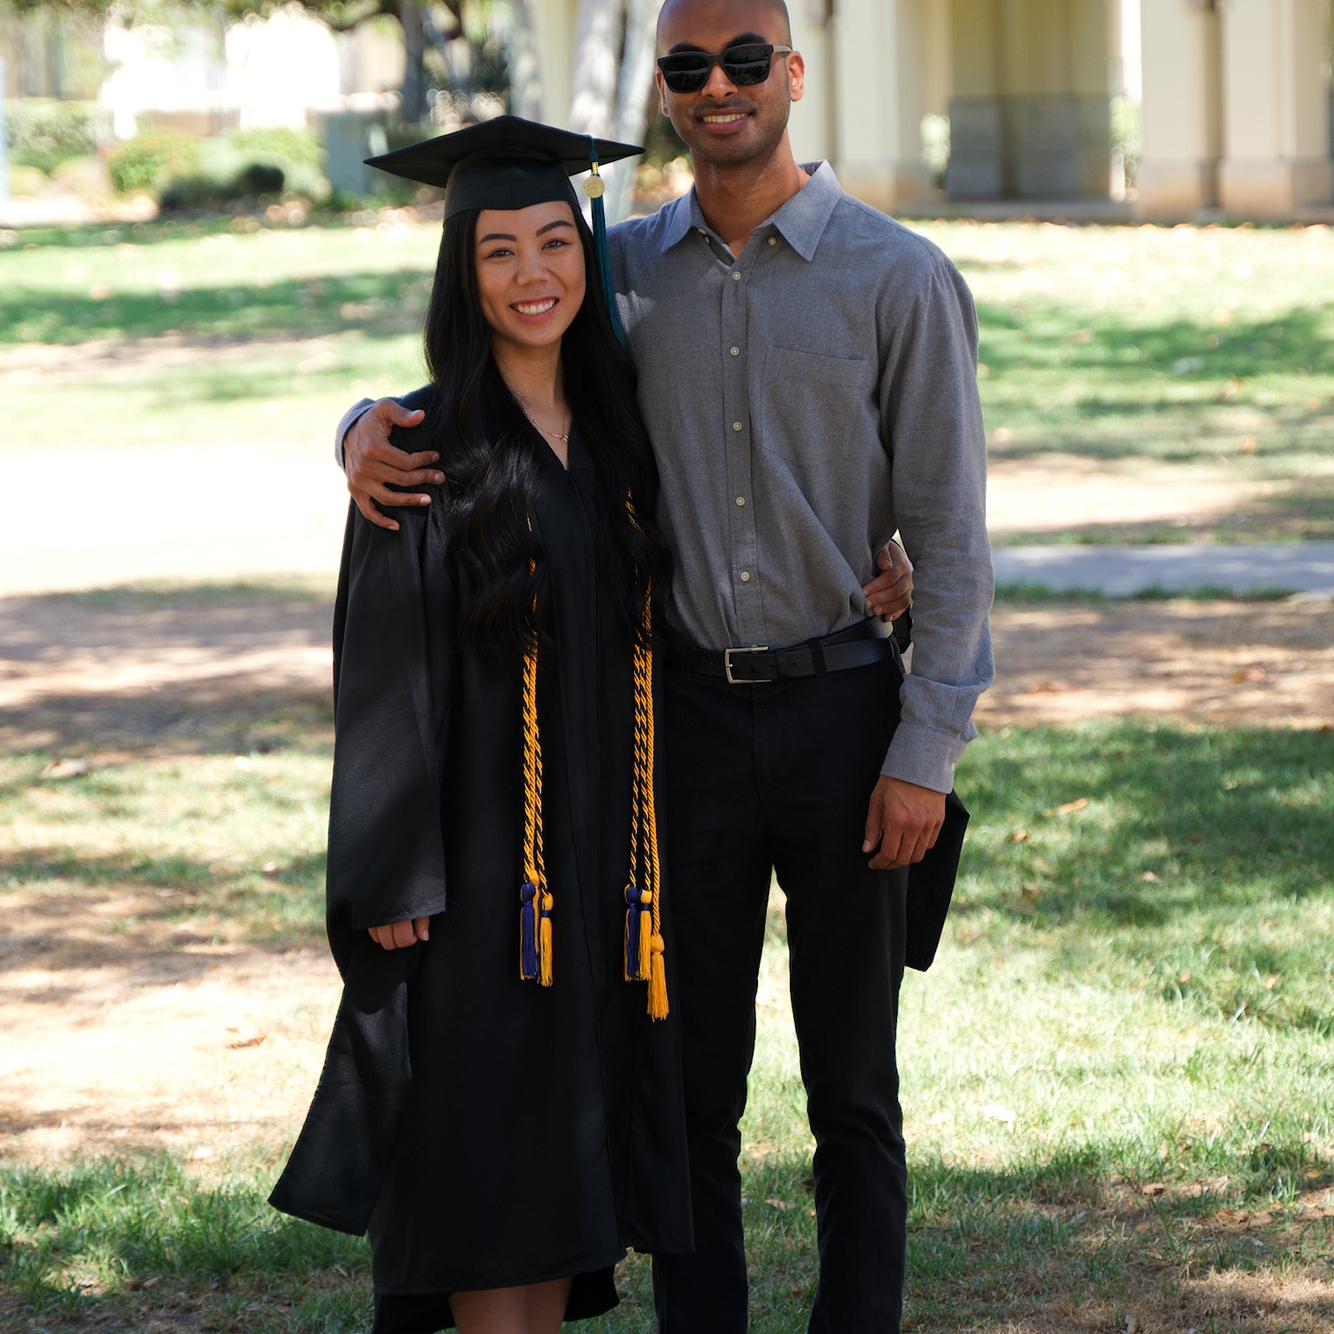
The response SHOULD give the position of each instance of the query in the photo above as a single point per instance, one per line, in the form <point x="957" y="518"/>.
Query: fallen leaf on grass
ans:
<point x="59" y="769"/>
<point x="775" y="1203"/>
<point x="248" y="1042"/>
<point x="1148" y="878"/>
<point x="1153" y="1188"/>
<point x="1046" y="688"/>
<point x="1019" y="836"/>
<point x="1247" y="676"/>
<point x="1071" y="807"/>
<point x="1249" y="445"/>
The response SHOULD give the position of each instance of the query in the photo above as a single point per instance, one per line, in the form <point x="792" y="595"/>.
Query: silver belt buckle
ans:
<point x="727" y="663"/>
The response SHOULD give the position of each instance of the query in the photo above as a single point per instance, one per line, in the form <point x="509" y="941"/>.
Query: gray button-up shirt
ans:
<point x="806" y="399"/>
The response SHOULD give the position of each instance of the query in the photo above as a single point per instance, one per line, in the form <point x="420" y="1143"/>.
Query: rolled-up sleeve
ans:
<point x="349" y="419"/>
<point x="931" y="419"/>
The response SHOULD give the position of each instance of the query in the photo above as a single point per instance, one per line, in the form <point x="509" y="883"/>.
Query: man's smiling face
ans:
<point x="725" y="125"/>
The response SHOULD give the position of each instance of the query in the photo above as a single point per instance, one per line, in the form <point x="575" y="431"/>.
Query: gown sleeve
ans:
<point x="392" y="624"/>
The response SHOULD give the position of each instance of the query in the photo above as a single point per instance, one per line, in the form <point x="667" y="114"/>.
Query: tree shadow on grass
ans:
<point x="376" y="302"/>
<point x="250" y="658"/>
<point x="1165" y="811"/>
<point x="1059" y="1240"/>
<point x="1296" y="342"/>
<point x="143" y="1236"/>
<point x="163" y="902"/>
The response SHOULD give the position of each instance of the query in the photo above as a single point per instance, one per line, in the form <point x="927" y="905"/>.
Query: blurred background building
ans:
<point x="1106" y="108"/>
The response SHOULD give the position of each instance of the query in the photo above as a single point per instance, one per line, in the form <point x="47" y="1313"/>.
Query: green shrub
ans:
<point x="86" y="177"/>
<point x="148" y="161"/>
<point x="43" y="132"/>
<point x="24" y="182"/>
<point x="297" y="147"/>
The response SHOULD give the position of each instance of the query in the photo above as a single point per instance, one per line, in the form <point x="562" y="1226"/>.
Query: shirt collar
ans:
<point x="801" y="221"/>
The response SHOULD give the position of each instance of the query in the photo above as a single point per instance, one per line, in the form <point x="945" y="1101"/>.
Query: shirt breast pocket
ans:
<point x="812" y="405"/>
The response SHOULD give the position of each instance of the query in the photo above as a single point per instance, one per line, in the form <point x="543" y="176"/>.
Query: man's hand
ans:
<point x="903" y="822"/>
<point x="889" y="594"/>
<point x="399" y="935"/>
<point x="373" y="465"/>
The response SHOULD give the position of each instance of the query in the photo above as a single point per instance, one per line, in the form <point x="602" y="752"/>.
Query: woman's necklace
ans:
<point x="562" y="436"/>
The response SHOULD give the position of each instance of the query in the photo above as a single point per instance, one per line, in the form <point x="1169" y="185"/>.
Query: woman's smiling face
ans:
<point x="530" y="272"/>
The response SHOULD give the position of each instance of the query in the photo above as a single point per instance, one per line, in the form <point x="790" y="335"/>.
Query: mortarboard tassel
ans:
<point x="595" y="187"/>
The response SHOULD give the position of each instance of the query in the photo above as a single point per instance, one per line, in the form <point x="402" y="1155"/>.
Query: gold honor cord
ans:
<point x="535" y="900"/>
<point x="644" y="945"/>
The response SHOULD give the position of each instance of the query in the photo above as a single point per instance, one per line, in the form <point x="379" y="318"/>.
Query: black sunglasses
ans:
<point x="745" y="66"/>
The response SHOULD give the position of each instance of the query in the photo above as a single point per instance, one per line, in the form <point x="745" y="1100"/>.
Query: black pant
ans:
<point x="776" y="778"/>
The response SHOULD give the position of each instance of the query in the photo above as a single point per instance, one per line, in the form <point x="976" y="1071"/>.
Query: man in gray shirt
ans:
<point x="807" y="372"/>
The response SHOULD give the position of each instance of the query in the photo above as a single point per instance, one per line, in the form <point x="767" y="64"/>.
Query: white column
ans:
<point x="880" y="66"/>
<point x="1276" y="115"/>
<point x="1181" y="112"/>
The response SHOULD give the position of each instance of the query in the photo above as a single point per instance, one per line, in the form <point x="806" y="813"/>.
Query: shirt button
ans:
<point x="735" y="351"/>
<point x="745" y="576"/>
<point x="773" y="240"/>
<point x="736" y="426"/>
<point x="736" y="275"/>
<point x="741" y="500"/>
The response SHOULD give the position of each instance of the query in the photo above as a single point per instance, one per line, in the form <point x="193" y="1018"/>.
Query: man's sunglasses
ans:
<point x="745" y="66"/>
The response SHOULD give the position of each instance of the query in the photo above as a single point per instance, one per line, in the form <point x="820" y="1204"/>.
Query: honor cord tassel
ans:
<point x="535" y="900"/>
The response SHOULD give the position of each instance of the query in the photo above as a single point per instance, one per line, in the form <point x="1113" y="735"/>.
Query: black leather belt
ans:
<point x="858" y="646"/>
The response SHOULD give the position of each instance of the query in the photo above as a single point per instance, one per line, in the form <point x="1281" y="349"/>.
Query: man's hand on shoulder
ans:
<point x="373" y="465"/>
<point x="902" y="823"/>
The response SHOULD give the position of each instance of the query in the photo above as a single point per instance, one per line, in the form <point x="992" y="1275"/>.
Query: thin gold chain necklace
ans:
<point x="562" y="436"/>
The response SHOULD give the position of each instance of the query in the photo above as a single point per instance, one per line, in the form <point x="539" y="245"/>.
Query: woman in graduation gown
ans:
<point x="500" y="1106"/>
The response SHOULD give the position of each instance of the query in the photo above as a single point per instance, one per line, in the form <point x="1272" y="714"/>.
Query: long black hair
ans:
<point x="488" y="452"/>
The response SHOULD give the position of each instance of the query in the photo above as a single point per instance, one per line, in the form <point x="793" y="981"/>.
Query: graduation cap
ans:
<point x="511" y="163"/>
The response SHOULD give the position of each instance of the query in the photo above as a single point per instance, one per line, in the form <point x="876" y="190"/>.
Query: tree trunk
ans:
<point x="525" y="69"/>
<point x="596" y="62"/>
<point x="632" y="99"/>
<point x="412" y="95"/>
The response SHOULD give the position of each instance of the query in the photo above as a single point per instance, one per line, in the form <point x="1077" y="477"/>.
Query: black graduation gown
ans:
<point x="485" y="1131"/>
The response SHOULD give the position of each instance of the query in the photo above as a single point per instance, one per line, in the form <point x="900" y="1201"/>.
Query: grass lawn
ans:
<point x="1204" y="350"/>
<point x="1116" y="1077"/>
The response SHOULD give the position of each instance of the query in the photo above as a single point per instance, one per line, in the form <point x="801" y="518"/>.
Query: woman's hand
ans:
<point x="399" y="935"/>
<point x="889" y="594"/>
